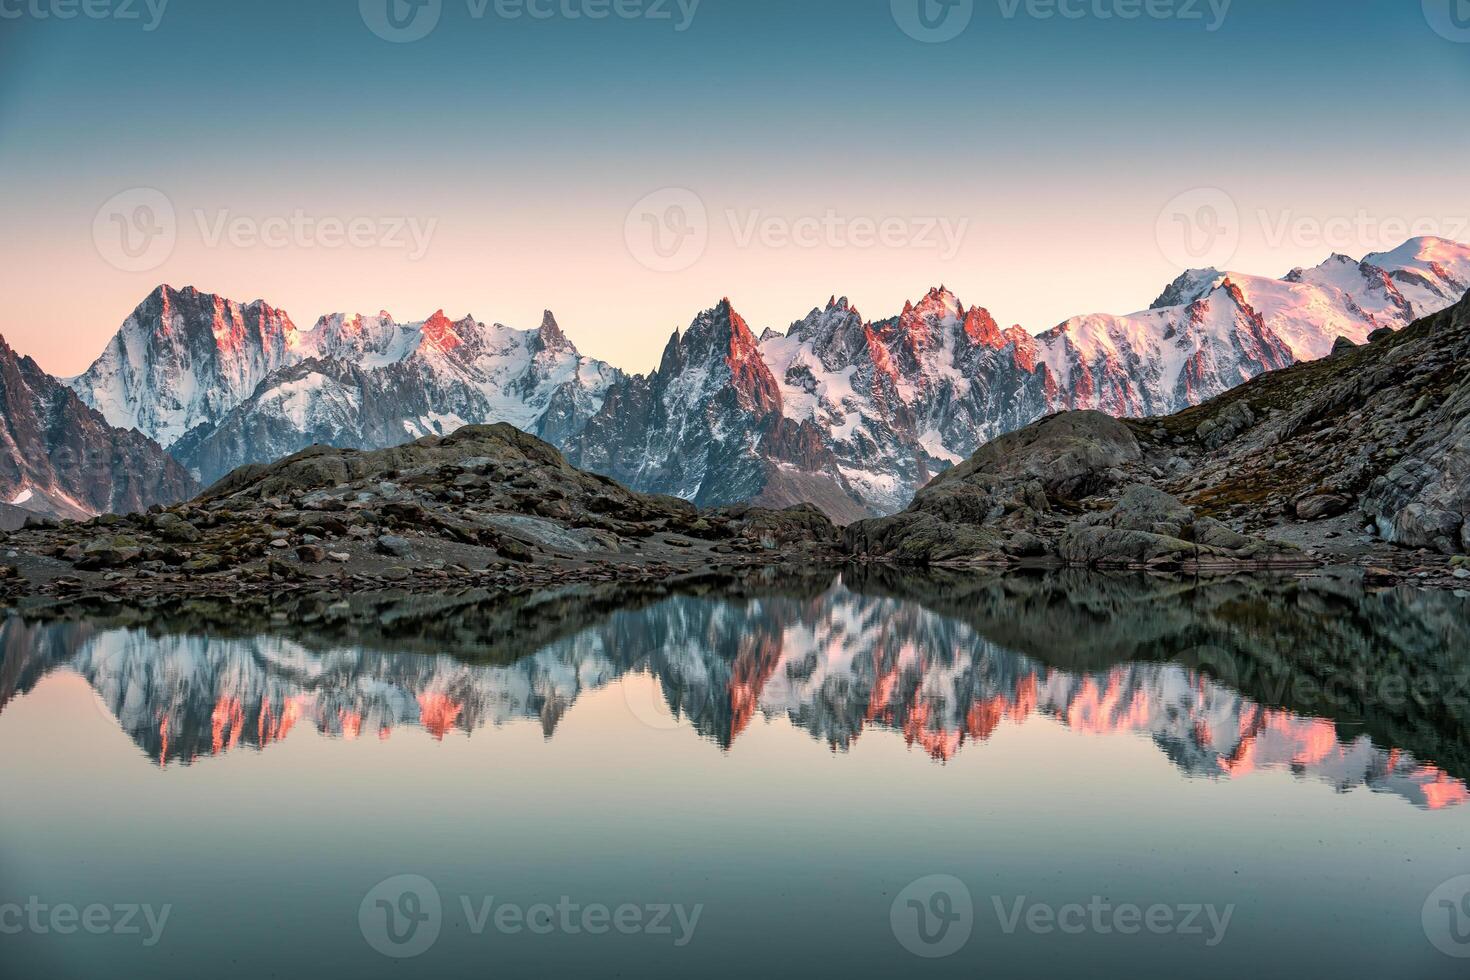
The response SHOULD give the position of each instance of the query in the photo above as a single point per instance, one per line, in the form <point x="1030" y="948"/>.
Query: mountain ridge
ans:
<point x="848" y="413"/>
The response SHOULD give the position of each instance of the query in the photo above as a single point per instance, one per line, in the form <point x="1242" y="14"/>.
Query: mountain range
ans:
<point x="838" y="410"/>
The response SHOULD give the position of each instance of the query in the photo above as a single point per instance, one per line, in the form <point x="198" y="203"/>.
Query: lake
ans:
<point x="852" y="773"/>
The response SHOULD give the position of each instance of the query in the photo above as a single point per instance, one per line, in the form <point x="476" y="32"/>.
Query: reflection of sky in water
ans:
<point x="567" y="773"/>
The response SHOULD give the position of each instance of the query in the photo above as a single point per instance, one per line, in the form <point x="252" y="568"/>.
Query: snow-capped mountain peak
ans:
<point x="182" y="359"/>
<point x="1190" y="286"/>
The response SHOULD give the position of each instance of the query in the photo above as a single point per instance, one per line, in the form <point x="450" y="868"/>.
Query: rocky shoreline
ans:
<point x="487" y="507"/>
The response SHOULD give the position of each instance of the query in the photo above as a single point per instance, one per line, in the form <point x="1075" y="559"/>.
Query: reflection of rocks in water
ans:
<point x="943" y="662"/>
<point x="1394" y="664"/>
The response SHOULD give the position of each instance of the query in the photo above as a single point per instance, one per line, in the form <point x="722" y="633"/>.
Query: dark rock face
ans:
<point x="707" y="426"/>
<point x="1018" y="499"/>
<point x="60" y="457"/>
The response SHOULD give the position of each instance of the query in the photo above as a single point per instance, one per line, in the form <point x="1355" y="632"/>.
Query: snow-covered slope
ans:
<point x="370" y="382"/>
<point x="1343" y="297"/>
<point x="221" y="384"/>
<point x="185" y="358"/>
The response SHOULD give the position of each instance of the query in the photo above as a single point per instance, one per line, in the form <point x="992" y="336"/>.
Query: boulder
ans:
<point x="1322" y="505"/>
<point x="1224" y="426"/>
<point x="392" y="544"/>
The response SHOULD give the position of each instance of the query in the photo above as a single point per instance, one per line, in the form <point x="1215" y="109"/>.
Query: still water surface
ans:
<point x="833" y="776"/>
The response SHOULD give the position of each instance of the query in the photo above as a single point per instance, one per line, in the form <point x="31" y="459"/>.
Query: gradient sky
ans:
<point x="1056" y="143"/>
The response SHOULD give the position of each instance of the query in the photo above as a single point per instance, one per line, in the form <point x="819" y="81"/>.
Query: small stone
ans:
<point x="392" y="544"/>
<point x="339" y="556"/>
<point x="1379" y="576"/>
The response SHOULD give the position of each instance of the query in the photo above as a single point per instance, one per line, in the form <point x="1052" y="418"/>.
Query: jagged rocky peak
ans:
<point x="980" y="328"/>
<point x="1190" y="286"/>
<point x="939" y="301"/>
<point x="718" y="333"/>
<point x="549" y="337"/>
<point x="339" y="336"/>
<point x="441" y="335"/>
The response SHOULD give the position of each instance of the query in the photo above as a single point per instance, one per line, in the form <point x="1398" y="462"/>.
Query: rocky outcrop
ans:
<point x="1047" y="493"/>
<point x="487" y="505"/>
<point x="60" y="458"/>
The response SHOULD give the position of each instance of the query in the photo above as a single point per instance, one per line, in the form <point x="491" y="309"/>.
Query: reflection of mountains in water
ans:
<point x="833" y="663"/>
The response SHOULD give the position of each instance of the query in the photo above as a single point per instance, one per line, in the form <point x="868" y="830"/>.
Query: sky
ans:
<point x="1041" y="158"/>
